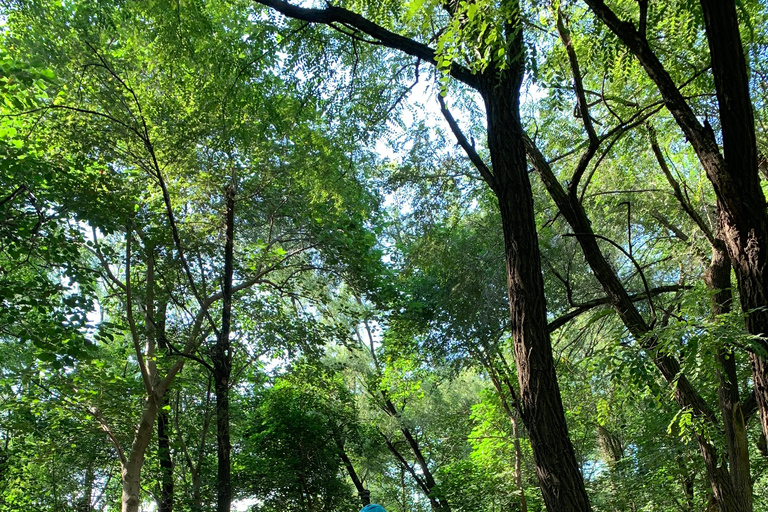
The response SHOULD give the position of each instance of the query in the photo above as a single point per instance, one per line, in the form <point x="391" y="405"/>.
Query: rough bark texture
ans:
<point x="541" y="404"/>
<point x="743" y="216"/>
<point x="734" y="175"/>
<point x="222" y="367"/>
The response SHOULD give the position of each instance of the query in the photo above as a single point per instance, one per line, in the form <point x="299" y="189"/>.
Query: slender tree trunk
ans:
<point x="164" y="454"/>
<point x="164" y="428"/>
<point x="512" y="415"/>
<point x="131" y="470"/>
<point x="427" y="480"/>
<point x="85" y="501"/>
<point x="737" y="473"/>
<point x="363" y="493"/>
<point x="222" y="366"/>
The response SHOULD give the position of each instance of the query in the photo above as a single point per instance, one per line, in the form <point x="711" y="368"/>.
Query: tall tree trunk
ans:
<point x="542" y="408"/>
<point x="734" y="174"/>
<point x="84" y="503"/>
<point x="541" y="405"/>
<point x="222" y="366"/>
<point x="164" y="426"/>
<point x="743" y="215"/>
<point x="131" y="470"/>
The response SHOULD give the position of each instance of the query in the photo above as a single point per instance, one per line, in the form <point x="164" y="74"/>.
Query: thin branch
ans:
<point x="684" y="202"/>
<point x="485" y="172"/>
<point x="634" y="262"/>
<point x="605" y="301"/>
<point x="129" y="313"/>
<point x="578" y="84"/>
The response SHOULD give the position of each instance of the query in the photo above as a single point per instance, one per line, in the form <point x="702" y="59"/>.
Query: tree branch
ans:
<point x="331" y="15"/>
<point x="604" y="301"/>
<point x="485" y="172"/>
<point x="129" y="313"/>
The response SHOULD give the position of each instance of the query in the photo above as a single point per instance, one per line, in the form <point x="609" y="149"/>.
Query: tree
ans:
<point x="498" y="79"/>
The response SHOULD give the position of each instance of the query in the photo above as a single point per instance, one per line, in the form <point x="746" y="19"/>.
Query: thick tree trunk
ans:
<point x="743" y="215"/>
<point x="542" y="408"/>
<point x="222" y="366"/>
<point x="561" y="482"/>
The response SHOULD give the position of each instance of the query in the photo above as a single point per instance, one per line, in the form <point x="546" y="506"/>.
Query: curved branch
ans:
<point x="606" y="301"/>
<point x="485" y="172"/>
<point x="333" y="15"/>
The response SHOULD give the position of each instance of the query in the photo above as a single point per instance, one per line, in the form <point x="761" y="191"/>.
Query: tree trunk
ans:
<point x="363" y="493"/>
<point x="164" y="428"/>
<point x="743" y="216"/>
<point x="427" y="480"/>
<point x="222" y="366"/>
<point x="164" y="454"/>
<point x="131" y="470"/>
<point x="734" y="174"/>
<point x="718" y="279"/>
<point x="542" y="410"/>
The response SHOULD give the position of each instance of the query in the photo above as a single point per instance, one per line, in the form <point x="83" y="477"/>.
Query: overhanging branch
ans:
<point x="337" y="15"/>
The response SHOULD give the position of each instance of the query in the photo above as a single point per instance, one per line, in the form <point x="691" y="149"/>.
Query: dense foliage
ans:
<point x="260" y="256"/>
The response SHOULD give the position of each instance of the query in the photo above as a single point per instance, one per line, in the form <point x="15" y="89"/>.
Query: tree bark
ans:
<point x="541" y="405"/>
<point x="743" y="217"/>
<point x="164" y="429"/>
<point x="131" y="470"/>
<point x="733" y="174"/>
<point x="222" y="366"/>
<point x="513" y="420"/>
<point x="542" y="408"/>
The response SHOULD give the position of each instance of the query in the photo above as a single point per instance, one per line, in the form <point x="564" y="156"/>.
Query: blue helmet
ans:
<point x="373" y="508"/>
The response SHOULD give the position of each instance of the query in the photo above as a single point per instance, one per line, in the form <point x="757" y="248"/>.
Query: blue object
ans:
<point x="373" y="508"/>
